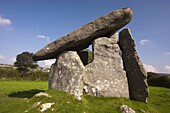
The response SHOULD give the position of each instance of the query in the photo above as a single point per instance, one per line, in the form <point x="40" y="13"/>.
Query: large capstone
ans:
<point x="66" y="74"/>
<point x="104" y="76"/>
<point x="136" y="74"/>
<point x="82" y="37"/>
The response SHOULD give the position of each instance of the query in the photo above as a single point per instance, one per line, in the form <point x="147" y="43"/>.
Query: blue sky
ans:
<point x="29" y="25"/>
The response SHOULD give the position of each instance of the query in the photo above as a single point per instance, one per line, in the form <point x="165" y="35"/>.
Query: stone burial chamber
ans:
<point x="104" y="75"/>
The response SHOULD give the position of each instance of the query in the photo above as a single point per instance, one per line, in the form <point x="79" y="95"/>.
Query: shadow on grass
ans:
<point x="25" y="94"/>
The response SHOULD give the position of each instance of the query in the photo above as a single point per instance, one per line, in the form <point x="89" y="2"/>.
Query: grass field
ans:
<point x="17" y="97"/>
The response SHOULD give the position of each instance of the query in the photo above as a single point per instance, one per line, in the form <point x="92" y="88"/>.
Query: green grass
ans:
<point x="16" y="97"/>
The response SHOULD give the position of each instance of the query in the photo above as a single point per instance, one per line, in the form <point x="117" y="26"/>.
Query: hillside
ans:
<point x="6" y="66"/>
<point x="18" y="97"/>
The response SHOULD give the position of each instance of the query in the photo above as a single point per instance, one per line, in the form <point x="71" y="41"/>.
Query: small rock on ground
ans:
<point x="126" y="109"/>
<point x="42" y="94"/>
<point x="36" y="104"/>
<point x="45" y="106"/>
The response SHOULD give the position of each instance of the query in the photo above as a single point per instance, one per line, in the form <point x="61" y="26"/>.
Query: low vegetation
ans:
<point x="158" y="79"/>
<point x="14" y="74"/>
<point x="90" y="56"/>
<point x="23" y="69"/>
<point x="18" y="97"/>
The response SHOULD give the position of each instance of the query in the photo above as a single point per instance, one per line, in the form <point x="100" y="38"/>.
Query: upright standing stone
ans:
<point x="136" y="73"/>
<point x="104" y="76"/>
<point x="67" y="74"/>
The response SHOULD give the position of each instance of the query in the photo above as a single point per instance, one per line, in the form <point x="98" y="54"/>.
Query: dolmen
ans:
<point x="104" y="75"/>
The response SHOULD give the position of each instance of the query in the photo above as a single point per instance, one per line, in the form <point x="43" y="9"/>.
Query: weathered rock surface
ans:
<point x="67" y="74"/>
<point x="82" y="37"/>
<point x="126" y="109"/>
<point x="42" y="94"/>
<point x="45" y="106"/>
<point x="136" y="73"/>
<point x="104" y="76"/>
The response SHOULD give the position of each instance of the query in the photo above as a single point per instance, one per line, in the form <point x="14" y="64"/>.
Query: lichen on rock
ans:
<point x="104" y="75"/>
<point x="66" y="74"/>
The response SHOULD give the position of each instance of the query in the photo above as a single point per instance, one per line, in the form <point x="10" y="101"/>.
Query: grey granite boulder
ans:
<point x="126" y="109"/>
<point x="136" y="74"/>
<point x="66" y="74"/>
<point x="104" y="76"/>
<point x="82" y="37"/>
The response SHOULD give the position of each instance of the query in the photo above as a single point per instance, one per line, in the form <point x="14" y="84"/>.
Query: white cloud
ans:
<point x="144" y="41"/>
<point x="48" y="63"/>
<point x="167" y="53"/>
<point x="167" y="67"/>
<point x="149" y="68"/>
<point x="43" y="37"/>
<point x="2" y="57"/>
<point x="5" y="21"/>
<point x="12" y="60"/>
<point x="6" y="60"/>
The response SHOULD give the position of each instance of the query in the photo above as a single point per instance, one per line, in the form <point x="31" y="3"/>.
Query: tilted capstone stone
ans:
<point x="66" y="74"/>
<point x="136" y="74"/>
<point x="104" y="76"/>
<point x="83" y="37"/>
